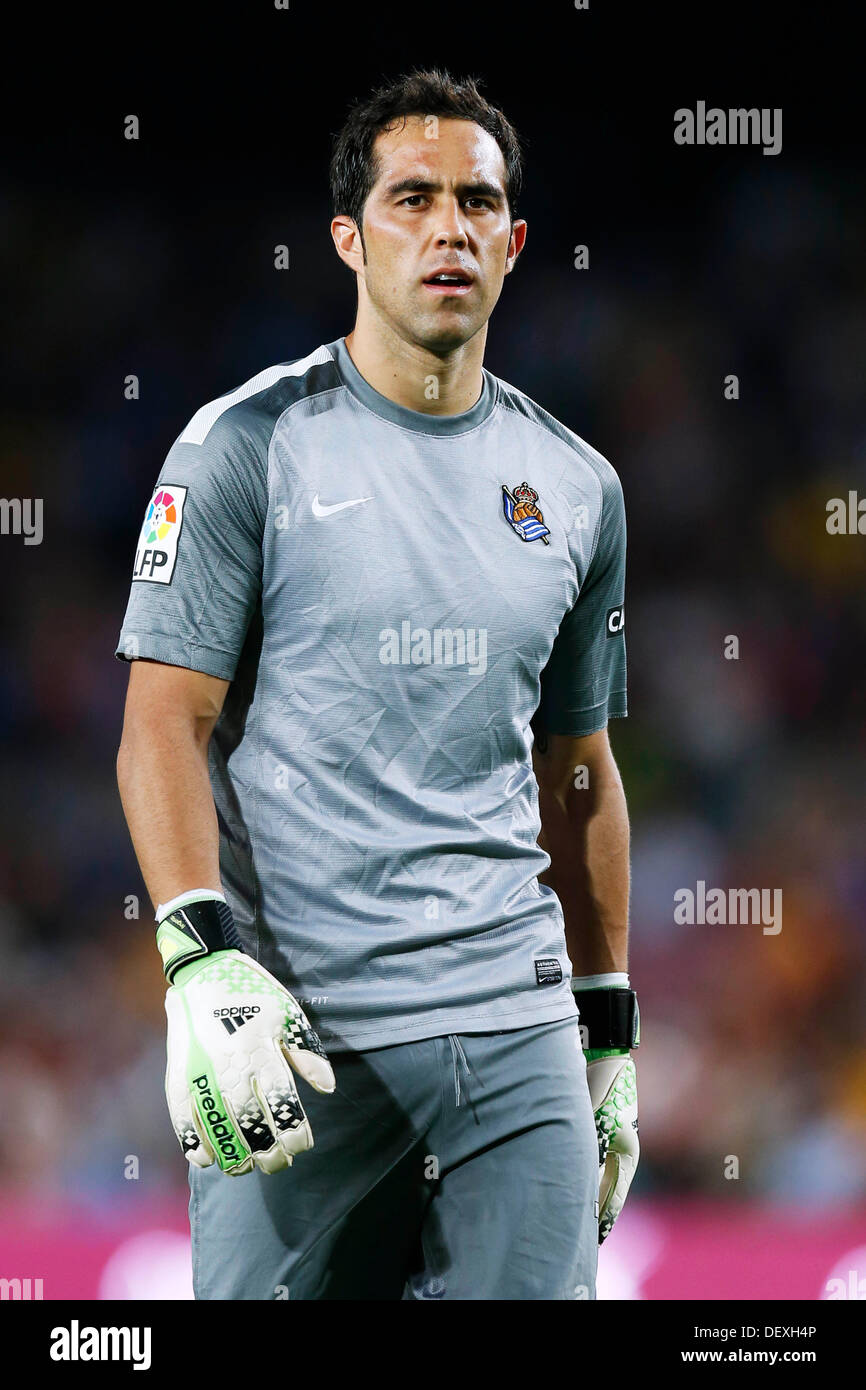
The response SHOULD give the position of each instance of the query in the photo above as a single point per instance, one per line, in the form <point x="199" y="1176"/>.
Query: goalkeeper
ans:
<point x="366" y="770"/>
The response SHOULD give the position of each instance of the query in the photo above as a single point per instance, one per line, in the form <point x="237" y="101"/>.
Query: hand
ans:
<point x="613" y="1091"/>
<point x="233" y="1030"/>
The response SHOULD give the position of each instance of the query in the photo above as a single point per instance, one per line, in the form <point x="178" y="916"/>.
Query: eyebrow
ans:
<point x="481" y="189"/>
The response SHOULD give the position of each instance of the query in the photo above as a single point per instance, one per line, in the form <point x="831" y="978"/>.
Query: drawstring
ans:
<point x="457" y="1050"/>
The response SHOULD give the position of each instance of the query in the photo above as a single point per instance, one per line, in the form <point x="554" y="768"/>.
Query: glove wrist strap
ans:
<point x="195" y="930"/>
<point x="609" y="1018"/>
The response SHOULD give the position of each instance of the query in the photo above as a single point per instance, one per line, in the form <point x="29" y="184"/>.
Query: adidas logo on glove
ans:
<point x="235" y="1017"/>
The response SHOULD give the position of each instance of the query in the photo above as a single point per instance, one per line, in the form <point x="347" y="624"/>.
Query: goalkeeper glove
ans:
<point x="610" y="1027"/>
<point x="233" y="1033"/>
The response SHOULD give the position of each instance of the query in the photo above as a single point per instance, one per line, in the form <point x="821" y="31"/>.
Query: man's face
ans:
<point x="438" y="203"/>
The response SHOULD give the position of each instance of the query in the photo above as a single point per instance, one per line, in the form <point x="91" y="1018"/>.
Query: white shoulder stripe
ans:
<point x="204" y="419"/>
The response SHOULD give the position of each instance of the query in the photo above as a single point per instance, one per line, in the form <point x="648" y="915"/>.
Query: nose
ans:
<point x="452" y="231"/>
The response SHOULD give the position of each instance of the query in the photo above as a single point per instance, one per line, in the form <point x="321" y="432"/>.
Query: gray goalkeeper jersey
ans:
<point x="391" y="596"/>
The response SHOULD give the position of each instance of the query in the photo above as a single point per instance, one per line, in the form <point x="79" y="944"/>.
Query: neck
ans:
<point x="411" y="375"/>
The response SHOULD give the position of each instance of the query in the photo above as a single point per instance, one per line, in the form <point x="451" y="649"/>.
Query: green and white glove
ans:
<point x="234" y="1035"/>
<point x="612" y="1080"/>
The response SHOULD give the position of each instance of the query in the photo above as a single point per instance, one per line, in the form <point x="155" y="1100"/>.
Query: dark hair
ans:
<point x="422" y="92"/>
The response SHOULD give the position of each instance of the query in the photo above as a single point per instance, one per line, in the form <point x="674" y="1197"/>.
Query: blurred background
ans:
<point x="155" y="258"/>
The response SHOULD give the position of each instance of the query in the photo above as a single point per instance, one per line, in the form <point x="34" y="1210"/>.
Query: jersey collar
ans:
<point x="399" y="414"/>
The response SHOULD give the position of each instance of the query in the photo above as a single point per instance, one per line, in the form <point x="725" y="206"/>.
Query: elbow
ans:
<point x="124" y="762"/>
<point x="135" y="738"/>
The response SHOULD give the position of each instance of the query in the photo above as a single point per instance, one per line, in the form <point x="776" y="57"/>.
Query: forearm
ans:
<point x="162" y="776"/>
<point x="586" y="833"/>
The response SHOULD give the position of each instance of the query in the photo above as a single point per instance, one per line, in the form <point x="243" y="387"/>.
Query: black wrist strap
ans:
<point x="193" y="931"/>
<point x="608" y="1017"/>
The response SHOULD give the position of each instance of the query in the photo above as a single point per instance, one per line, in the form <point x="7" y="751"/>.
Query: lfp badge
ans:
<point x="157" y="545"/>
<point x="522" y="514"/>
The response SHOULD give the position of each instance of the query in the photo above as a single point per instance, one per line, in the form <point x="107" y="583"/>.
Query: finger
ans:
<point x="303" y="1049"/>
<point x="217" y="1118"/>
<point x="255" y="1123"/>
<point x="192" y="1140"/>
<point x="274" y="1160"/>
<point x="611" y="1198"/>
<point x="615" y="1180"/>
<point x="190" y="1135"/>
<point x="275" y="1088"/>
<point x="607" y="1183"/>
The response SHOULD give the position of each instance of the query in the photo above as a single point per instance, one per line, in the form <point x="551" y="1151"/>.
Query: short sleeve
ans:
<point x="584" y="682"/>
<point x="198" y="563"/>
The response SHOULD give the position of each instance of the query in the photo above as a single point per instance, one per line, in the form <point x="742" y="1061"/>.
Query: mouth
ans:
<point x="450" y="283"/>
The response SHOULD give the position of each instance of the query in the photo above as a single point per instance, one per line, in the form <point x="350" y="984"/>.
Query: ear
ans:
<point x="347" y="240"/>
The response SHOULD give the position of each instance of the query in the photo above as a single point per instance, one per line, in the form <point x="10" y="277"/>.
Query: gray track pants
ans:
<point x="458" y="1167"/>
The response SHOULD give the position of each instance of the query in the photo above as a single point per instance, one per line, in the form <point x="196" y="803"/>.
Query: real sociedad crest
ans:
<point x="522" y="514"/>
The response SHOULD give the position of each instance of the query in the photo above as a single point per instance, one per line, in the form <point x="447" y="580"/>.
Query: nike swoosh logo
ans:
<point x="320" y="510"/>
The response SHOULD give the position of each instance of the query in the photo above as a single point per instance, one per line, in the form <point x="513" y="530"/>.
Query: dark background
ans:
<point x="156" y="258"/>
